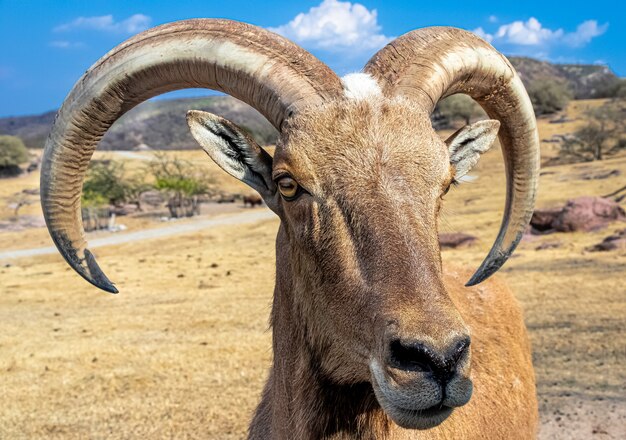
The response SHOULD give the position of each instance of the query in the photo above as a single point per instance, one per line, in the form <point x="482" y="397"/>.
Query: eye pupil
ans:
<point x="288" y="187"/>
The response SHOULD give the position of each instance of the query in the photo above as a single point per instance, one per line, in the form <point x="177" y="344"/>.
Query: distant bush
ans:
<point x="619" y="90"/>
<point x="548" y="96"/>
<point x="13" y="153"/>
<point x="611" y="89"/>
<point x="108" y="184"/>
<point x="182" y="182"/>
<point x="459" y="107"/>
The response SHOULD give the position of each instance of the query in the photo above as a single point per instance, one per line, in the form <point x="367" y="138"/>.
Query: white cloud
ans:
<point x="532" y="33"/>
<point x="336" y="26"/>
<point x="482" y="34"/>
<point x="585" y="32"/>
<point x="493" y="19"/>
<point x="63" y="44"/>
<point x="106" y="23"/>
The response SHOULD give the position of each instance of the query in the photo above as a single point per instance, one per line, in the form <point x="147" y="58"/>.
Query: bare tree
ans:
<point x="182" y="182"/>
<point x="603" y="134"/>
<point x="459" y="107"/>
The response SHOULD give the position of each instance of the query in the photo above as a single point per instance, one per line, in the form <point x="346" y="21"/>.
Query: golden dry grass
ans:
<point x="183" y="351"/>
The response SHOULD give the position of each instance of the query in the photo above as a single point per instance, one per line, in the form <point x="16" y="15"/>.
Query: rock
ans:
<point x="152" y="199"/>
<point x="543" y="220"/>
<point x="600" y="175"/>
<point x="548" y="245"/>
<point x="225" y="198"/>
<point x="126" y="209"/>
<point x="610" y="243"/>
<point x="588" y="214"/>
<point x="579" y="214"/>
<point x="456" y="240"/>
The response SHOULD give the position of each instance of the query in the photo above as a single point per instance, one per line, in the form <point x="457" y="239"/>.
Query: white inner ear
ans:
<point x="236" y="153"/>
<point x="204" y="130"/>
<point x="467" y="144"/>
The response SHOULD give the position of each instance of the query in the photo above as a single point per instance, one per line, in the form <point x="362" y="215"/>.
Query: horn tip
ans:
<point x="491" y="265"/>
<point x="477" y="278"/>
<point x="108" y="286"/>
<point x="98" y="278"/>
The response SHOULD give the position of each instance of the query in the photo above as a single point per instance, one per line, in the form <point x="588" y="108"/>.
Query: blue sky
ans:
<point x="45" y="46"/>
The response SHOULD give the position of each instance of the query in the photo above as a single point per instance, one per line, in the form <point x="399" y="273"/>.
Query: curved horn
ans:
<point x="429" y="64"/>
<point x="261" y="68"/>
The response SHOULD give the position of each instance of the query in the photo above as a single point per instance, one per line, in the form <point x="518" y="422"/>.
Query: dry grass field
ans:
<point x="183" y="351"/>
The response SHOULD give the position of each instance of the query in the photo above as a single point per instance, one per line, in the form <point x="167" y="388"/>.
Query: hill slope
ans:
<point x="158" y="124"/>
<point x="586" y="81"/>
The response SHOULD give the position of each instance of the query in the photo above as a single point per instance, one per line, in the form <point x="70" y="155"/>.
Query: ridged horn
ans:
<point x="254" y="65"/>
<point x="429" y="64"/>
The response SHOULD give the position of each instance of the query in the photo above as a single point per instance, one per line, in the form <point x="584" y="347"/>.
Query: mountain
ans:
<point x="157" y="124"/>
<point x="160" y="124"/>
<point x="32" y="129"/>
<point x="585" y="81"/>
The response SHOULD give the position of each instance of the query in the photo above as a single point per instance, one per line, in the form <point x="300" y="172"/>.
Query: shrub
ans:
<point x="611" y="89"/>
<point x="107" y="183"/>
<point x="548" y="96"/>
<point x="602" y="135"/>
<point x="182" y="182"/>
<point x="13" y="153"/>
<point x="459" y="107"/>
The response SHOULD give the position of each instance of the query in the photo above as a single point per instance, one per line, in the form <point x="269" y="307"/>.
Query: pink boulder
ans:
<point x="579" y="214"/>
<point x="588" y="214"/>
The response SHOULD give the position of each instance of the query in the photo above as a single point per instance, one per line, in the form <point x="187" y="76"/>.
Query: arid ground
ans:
<point x="183" y="351"/>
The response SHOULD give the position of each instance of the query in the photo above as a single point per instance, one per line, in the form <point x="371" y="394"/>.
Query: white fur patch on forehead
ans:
<point x="360" y="86"/>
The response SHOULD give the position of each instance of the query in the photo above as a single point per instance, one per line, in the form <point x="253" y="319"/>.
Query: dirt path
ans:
<point x="166" y="231"/>
<point x="132" y="155"/>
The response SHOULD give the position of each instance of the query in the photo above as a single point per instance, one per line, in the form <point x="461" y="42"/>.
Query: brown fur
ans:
<point x="344" y="269"/>
<point x="358" y="260"/>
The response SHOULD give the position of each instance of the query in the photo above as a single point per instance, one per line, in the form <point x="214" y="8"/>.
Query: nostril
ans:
<point x="418" y="357"/>
<point x="411" y="356"/>
<point x="459" y="351"/>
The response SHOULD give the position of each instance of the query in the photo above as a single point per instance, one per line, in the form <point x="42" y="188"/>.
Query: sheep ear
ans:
<point x="234" y="151"/>
<point x="467" y="144"/>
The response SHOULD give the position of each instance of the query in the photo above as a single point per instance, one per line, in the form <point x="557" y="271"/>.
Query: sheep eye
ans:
<point x="288" y="188"/>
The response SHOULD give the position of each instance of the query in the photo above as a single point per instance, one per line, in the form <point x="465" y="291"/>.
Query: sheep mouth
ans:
<point x="419" y="418"/>
<point x="418" y="406"/>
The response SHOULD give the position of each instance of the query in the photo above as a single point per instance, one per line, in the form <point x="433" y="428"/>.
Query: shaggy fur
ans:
<point x="345" y="271"/>
<point x="371" y="336"/>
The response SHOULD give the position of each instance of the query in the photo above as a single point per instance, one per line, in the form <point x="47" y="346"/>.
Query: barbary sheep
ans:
<point x="371" y="336"/>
